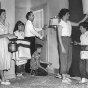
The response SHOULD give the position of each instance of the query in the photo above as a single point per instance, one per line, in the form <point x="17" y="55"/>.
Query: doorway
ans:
<point x="40" y="13"/>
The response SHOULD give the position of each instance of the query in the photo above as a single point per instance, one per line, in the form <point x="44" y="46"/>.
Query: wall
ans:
<point x="10" y="12"/>
<point x="21" y="8"/>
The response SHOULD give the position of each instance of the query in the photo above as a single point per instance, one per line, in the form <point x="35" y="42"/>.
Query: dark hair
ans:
<point x="28" y="14"/>
<point x="2" y="10"/>
<point x="17" y="24"/>
<point x="84" y="24"/>
<point x="38" y="46"/>
<point x="62" y="12"/>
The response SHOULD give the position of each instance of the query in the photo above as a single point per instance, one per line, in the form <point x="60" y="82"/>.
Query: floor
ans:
<point x="43" y="82"/>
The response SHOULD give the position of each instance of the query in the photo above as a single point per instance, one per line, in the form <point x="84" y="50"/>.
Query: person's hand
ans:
<point x="49" y="63"/>
<point x="45" y="27"/>
<point x="63" y="50"/>
<point x="41" y="37"/>
<point x="87" y="48"/>
<point x="44" y="38"/>
<point x="75" y="43"/>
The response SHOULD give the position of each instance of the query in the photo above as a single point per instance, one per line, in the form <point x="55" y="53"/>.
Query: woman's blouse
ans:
<point x="66" y="28"/>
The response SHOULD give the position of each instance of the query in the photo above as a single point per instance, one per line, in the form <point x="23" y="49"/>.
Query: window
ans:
<point x="39" y="19"/>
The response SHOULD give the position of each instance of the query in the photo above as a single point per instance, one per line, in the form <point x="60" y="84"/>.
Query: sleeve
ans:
<point x="38" y="29"/>
<point x="32" y="30"/>
<point x="61" y="24"/>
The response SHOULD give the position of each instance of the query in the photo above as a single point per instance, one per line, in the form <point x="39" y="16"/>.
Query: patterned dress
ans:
<point x="5" y="56"/>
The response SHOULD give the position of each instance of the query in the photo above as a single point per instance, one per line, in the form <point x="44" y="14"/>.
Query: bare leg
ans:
<point x="2" y="75"/>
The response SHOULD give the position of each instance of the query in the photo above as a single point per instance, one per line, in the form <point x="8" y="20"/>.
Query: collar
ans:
<point x="29" y="21"/>
<point x="64" y="21"/>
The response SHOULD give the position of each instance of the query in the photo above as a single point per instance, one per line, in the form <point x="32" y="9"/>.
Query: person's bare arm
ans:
<point x="60" y="40"/>
<point x="38" y="64"/>
<point x="77" y="24"/>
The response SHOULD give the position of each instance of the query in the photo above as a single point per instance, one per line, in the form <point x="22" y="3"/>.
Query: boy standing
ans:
<point x="84" y="51"/>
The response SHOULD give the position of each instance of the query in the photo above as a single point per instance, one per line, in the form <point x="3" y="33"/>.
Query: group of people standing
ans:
<point x="65" y="46"/>
<point x="26" y="34"/>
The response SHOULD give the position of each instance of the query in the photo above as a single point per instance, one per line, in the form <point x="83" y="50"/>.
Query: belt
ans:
<point x="83" y="47"/>
<point x="65" y="36"/>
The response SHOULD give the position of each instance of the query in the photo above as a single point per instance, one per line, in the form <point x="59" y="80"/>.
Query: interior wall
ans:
<point x="21" y="8"/>
<point x="9" y="6"/>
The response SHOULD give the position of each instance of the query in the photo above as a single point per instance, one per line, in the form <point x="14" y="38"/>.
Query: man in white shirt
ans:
<point x="31" y="32"/>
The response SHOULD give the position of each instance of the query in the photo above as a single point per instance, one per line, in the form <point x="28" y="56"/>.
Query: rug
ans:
<point x="42" y="82"/>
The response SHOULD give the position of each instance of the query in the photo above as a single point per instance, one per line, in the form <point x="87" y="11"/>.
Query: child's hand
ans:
<point x="45" y="27"/>
<point x="49" y="63"/>
<point x="87" y="48"/>
<point x="76" y="43"/>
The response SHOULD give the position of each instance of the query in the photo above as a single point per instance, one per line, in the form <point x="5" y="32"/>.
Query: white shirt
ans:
<point x="66" y="28"/>
<point x="30" y="30"/>
<point x="20" y="34"/>
<point x="84" y="38"/>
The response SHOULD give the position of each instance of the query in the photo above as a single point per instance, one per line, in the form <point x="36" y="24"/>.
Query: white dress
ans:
<point x="5" y="56"/>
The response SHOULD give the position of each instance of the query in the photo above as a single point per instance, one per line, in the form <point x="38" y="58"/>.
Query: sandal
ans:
<point x="58" y="76"/>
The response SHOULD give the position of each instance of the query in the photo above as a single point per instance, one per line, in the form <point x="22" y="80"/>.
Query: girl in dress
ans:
<point x="23" y="53"/>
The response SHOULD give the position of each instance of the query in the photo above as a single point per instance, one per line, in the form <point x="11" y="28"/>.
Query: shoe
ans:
<point x="5" y="83"/>
<point x="58" y="76"/>
<point x="68" y="76"/>
<point x="19" y="75"/>
<point x="23" y="77"/>
<point x="33" y="73"/>
<point x="69" y="79"/>
<point x="84" y="80"/>
<point x="65" y="81"/>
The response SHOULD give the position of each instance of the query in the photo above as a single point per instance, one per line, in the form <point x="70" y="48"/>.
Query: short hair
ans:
<point x="2" y="10"/>
<point x="84" y="24"/>
<point x="38" y="46"/>
<point x="62" y="12"/>
<point x="28" y="14"/>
